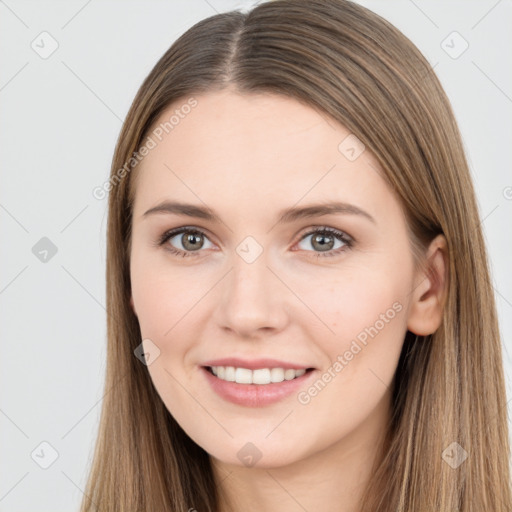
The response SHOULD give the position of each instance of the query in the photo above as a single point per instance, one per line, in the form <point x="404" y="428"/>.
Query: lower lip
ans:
<point x="255" y="395"/>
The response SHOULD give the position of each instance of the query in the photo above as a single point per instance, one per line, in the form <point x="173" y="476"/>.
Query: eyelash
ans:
<point x="339" y="235"/>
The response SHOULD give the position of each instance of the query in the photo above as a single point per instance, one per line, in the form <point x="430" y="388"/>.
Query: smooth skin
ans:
<point x="247" y="157"/>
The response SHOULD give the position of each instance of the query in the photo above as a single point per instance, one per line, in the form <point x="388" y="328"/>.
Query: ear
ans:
<point x="430" y="289"/>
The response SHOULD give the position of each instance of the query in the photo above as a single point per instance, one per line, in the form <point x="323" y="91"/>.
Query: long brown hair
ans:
<point x="348" y="62"/>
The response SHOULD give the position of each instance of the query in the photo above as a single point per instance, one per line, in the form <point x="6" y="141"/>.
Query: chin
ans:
<point x="250" y="455"/>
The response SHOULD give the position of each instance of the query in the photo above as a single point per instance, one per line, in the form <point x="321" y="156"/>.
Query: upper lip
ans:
<point x="255" y="364"/>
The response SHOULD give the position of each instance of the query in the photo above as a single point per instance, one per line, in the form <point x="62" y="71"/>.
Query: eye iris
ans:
<point x="320" y="239"/>
<point x="191" y="238"/>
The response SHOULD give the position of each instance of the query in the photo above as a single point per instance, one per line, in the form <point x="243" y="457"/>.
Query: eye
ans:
<point x="325" y="238"/>
<point x="190" y="239"/>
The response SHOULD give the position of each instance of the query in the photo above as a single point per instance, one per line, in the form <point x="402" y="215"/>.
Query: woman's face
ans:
<point x="251" y="283"/>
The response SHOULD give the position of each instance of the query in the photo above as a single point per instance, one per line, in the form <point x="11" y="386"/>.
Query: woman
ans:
<point x="300" y="313"/>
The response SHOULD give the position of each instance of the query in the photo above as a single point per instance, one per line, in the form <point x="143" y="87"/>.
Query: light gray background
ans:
<point x="60" y="119"/>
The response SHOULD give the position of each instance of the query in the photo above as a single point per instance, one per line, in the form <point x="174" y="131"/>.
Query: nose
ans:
<point x="253" y="299"/>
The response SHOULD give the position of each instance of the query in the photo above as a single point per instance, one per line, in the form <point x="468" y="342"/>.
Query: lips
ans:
<point x="256" y="395"/>
<point x="255" y="364"/>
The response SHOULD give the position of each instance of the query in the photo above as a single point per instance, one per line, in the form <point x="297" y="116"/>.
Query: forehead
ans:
<point x="249" y="148"/>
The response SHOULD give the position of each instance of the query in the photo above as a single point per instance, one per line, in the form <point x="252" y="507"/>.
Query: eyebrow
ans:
<point x="287" y="215"/>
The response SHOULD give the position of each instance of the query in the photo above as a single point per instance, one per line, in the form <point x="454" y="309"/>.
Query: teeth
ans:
<point x="260" y="376"/>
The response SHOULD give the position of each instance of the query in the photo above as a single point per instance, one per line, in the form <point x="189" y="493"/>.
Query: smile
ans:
<point x="256" y="388"/>
<point x="259" y="376"/>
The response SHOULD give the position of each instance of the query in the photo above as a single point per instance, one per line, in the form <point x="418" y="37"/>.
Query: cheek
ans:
<point x="369" y="321"/>
<point x="366" y="310"/>
<point x="151" y="298"/>
<point x="165" y="307"/>
<point x="162" y="297"/>
<point x="367" y="316"/>
<point x="355" y="301"/>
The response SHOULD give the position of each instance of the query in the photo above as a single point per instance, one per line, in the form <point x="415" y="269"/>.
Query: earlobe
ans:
<point x="430" y="290"/>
